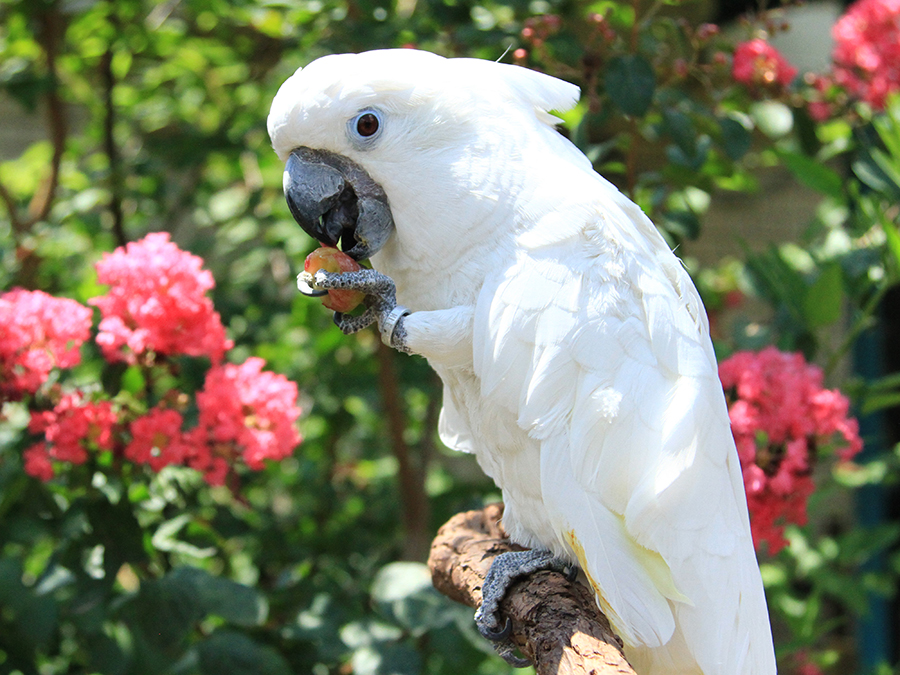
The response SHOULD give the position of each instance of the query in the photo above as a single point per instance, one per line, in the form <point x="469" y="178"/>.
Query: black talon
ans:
<point x="507" y="653"/>
<point x="571" y="573"/>
<point x="496" y="636"/>
<point x="304" y="287"/>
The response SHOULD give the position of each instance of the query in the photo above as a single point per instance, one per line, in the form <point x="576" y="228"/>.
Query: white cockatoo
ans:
<point x="573" y="347"/>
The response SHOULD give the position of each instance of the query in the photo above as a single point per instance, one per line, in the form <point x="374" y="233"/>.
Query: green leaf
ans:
<point x="37" y="619"/>
<point x="163" y="613"/>
<point x="867" y="170"/>
<point x="404" y="592"/>
<point x="386" y="659"/>
<point x="684" y="224"/>
<point x="234" y="602"/>
<point x="887" y="382"/>
<point x="228" y="652"/>
<point x="889" y="165"/>
<point x="106" y="656"/>
<point x="630" y="83"/>
<point x="876" y="402"/>
<point x="777" y="280"/>
<point x="166" y="538"/>
<point x="736" y="138"/>
<point x="693" y="161"/>
<point x="774" y="119"/>
<point x="887" y="125"/>
<point x="813" y="174"/>
<point x="133" y="380"/>
<point x="12" y="592"/>
<point x="893" y="239"/>
<point x="681" y="129"/>
<point x="823" y="301"/>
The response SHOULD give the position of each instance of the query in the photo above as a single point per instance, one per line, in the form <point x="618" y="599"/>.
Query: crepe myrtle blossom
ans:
<point x="245" y="412"/>
<point x="72" y="430"/>
<point x="39" y="333"/>
<point x="157" y="303"/>
<point x="157" y="439"/>
<point x="756" y="62"/>
<point x="867" y="50"/>
<point x="781" y="417"/>
<point x="247" y="415"/>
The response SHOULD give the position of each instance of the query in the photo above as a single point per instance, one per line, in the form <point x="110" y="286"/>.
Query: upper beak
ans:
<point x="334" y="200"/>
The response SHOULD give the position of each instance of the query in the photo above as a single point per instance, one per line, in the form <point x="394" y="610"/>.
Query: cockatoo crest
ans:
<point x="308" y="108"/>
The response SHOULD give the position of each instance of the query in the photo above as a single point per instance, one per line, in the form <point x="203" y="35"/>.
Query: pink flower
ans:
<point x="39" y="333"/>
<point x="72" y="429"/>
<point x="246" y="409"/>
<point x="758" y="63"/>
<point x="37" y="462"/>
<point x="157" y="303"/>
<point x="781" y="416"/>
<point x="867" y="50"/>
<point x="157" y="440"/>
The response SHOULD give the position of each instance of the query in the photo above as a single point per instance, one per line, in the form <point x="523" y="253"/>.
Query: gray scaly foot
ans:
<point x="381" y="304"/>
<point x="506" y="568"/>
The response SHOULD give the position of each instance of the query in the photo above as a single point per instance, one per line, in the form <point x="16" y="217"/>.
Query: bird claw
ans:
<point x="502" y="639"/>
<point x="507" y="653"/>
<point x="489" y="633"/>
<point x="306" y="284"/>
<point x="506" y="568"/>
<point x="381" y="302"/>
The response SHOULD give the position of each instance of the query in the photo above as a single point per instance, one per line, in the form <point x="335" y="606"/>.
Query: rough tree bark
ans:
<point x="555" y="623"/>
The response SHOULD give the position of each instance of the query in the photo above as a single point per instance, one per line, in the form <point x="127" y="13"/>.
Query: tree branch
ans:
<point x="413" y="500"/>
<point x="50" y="35"/>
<point x="110" y="147"/>
<point x="556" y="623"/>
<point x="52" y="30"/>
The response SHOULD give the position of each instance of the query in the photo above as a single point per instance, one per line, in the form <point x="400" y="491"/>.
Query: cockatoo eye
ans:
<point x="365" y="126"/>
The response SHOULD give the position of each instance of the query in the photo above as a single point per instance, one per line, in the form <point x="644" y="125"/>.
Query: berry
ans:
<point x="332" y="259"/>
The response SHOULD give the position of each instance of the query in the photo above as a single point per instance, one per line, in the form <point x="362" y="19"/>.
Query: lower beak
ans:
<point x="335" y="201"/>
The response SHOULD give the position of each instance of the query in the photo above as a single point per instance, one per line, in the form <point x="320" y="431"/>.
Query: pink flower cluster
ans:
<point x="246" y="414"/>
<point x="781" y="416"/>
<point x="157" y="303"/>
<point x="156" y="306"/>
<point x="157" y="439"/>
<point x="757" y="63"/>
<point x="72" y="430"/>
<point x="867" y="50"/>
<point x="39" y="333"/>
<point x="244" y="407"/>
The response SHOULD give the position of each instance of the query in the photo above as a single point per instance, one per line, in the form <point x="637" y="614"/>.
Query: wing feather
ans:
<point x="607" y="364"/>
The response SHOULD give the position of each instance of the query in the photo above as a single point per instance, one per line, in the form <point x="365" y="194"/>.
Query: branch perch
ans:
<point x="555" y="623"/>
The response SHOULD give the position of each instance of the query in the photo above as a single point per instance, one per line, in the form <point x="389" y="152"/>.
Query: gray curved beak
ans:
<point x="335" y="201"/>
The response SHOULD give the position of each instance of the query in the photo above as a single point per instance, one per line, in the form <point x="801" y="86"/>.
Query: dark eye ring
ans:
<point x="367" y="124"/>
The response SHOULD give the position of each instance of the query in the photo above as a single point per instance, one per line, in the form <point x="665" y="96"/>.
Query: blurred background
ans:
<point x="123" y="117"/>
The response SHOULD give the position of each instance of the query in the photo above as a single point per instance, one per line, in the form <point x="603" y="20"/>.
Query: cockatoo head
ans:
<point x="378" y="145"/>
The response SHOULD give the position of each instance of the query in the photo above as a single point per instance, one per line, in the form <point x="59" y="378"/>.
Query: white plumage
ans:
<point x="573" y="347"/>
